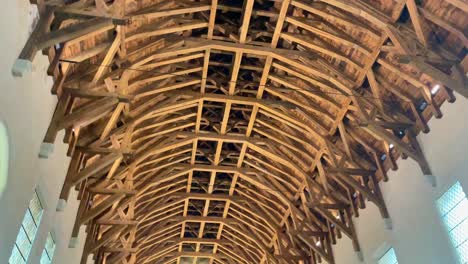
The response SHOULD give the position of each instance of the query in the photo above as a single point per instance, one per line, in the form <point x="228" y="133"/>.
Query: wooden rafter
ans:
<point x="253" y="133"/>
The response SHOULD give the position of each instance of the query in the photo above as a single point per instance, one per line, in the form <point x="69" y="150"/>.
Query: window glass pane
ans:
<point x="458" y="234"/>
<point x="450" y="198"/>
<point x="45" y="258"/>
<point x="29" y="226"/>
<point x="23" y="243"/>
<point x="16" y="257"/>
<point x="27" y="232"/>
<point x="463" y="252"/>
<point x="388" y="258"/>
<point x="50" y="245"/>
<point x="456" y="215"/>
<point x="48" y="252"/>
<point x="453" y="208"/>
<point x="36" y="208"/>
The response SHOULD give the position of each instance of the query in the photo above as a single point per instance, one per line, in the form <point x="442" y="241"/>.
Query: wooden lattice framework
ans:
<point x="247" y="131"/>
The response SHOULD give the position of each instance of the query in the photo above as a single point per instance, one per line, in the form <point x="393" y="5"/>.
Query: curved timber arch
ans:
<point x="200" y="135"/>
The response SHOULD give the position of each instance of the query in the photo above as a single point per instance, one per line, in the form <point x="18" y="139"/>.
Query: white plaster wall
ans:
<point x="418" y="235"/>
<point x="26" y="107"/>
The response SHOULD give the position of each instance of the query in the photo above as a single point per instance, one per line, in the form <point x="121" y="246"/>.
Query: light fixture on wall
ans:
<point x="391" y="146"/>
<point x="401" y="133"/>
<point x="435" y="89"/>
<point x="318" y="243"/>
<point x="383" y="157"/>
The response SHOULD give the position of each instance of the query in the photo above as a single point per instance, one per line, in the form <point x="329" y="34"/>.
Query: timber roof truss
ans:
<point x="240" y="131"/>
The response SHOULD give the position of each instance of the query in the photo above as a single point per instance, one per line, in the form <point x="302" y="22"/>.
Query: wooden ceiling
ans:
<point x="231" y="131"/>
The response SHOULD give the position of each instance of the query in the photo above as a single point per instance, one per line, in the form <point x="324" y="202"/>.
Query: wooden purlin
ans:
<point x="198" y="135"/>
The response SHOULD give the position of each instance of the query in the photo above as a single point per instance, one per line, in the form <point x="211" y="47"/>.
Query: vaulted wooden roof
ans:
<point x="230" y="131"/>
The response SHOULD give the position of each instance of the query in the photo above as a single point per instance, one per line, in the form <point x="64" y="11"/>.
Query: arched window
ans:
<point x="4" y="151"/>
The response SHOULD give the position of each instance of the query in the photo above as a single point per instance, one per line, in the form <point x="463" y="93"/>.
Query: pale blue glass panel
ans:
<point x="16" y="257"/>
<point x="27" y="232"/>
<point x="45" y="259"/>
<point x="23" y="243"/>
<point x="389" y="257"/>
<point x="456" y="215"/>
<point x="50" y="245"/>
<point x="450" y="198"/>
<point x="48" y="252"/>
<point x="36" y="208"/>
<point x="458" y="234"/>
<point x="463" y="252"/>
<point x="29" y="225"/>
<point x="453" y="208"/>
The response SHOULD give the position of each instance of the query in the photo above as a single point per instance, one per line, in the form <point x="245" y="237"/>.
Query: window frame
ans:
<point x="51" y="255"/>
<point x="22" y="228"/>
<point x="441" y="215"/>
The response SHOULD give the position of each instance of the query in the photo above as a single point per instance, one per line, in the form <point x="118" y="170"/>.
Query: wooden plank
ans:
<point x="75" y="31"/>
<point x="168" y="136"/>
<point x="418" y="22"/>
